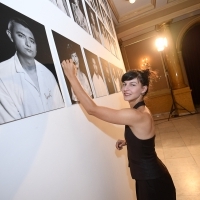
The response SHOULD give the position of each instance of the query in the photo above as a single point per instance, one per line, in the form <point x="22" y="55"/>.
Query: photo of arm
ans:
<point x="68" y="49"/>
<point x="27" y="86"/>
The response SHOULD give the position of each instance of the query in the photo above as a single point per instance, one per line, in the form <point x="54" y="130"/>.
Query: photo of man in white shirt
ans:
<point x="96" y="74"/>
<point x="27" y="87"/>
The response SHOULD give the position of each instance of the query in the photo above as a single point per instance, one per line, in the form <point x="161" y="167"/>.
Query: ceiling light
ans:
<point x="131" y="1"/>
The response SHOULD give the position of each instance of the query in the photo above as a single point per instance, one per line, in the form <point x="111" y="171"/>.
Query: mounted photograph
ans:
<point x="28" y="79"/>
<point x="66" y="50"/>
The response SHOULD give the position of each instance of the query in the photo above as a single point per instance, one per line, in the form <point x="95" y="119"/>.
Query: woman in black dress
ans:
<point x="153" y="181"/>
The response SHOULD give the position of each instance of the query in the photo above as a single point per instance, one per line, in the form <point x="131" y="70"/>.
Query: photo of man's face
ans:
<point x="28" y="80"/>
<point x="23" y="39"/>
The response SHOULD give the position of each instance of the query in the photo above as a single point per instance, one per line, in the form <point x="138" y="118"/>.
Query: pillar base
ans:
<point x="184" y="99"/>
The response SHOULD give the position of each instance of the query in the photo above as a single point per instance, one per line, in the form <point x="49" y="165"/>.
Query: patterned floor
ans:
<point x="178" y="146"/>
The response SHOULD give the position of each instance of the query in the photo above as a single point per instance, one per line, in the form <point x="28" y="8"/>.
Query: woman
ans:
<point x="153" y="181"/>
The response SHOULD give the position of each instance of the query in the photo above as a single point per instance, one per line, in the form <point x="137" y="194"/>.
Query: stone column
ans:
<point x="171" y="60"/>
<point x="183" y="102"/>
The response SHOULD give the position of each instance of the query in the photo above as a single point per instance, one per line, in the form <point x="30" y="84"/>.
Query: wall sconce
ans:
<point x="131" y="1"/>
<point x="161" y="43"/>
<point x="145" y="63"/>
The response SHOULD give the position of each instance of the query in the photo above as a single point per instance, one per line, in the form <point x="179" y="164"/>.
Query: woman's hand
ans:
<point x="120" y="144"/>
<point x="69" y="68"/>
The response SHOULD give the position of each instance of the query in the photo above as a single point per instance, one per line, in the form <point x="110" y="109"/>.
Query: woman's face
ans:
<point x="132" y="89"/>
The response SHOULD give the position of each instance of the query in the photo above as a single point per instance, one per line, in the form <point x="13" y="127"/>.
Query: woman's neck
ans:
<point x="135" y="101"/>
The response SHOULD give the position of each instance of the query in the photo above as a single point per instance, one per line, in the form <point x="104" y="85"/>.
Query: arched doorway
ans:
<point x="191" y="57"/>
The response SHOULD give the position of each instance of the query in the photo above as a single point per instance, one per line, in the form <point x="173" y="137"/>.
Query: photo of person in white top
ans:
<point x="107" y="75"/>
<point x="72" y="54"/>
<point x="27" y="87"/>
<point x="97" y="77"/>
<point x="68" y="49"/>
<point x="116" y="78"/>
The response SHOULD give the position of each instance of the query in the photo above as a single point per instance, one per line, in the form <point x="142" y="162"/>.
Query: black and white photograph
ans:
<point x="104" y="37"/>
<point x="105" y="5"/>
<point x="120" y="73"/>
<point x="96" y="74"/>
<point x="104" y="16"/>
<point x="112" y="49"/>
<point x="107" y="75"/>
<point x="62" y="5"/>
<point x="115" y="47"/>
<point x="93" y="23"/>
<point x="79" y="14"/>
<point x="95" y="5"/>
<point x="110" y="27"/>
<point x="92" y="3"/>
<point x="115" y="76"/>
<point x="28" y="80"/>
<point x="98" y="9"/>
<point x="68" y="49"/>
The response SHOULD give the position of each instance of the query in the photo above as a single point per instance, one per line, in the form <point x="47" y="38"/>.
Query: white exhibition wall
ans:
<point x="64" y="153"/>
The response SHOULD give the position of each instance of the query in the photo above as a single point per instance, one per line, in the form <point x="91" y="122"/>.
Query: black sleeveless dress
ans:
<point x="153" y="181"/>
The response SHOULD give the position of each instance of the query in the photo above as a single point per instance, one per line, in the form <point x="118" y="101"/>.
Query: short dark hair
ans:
<point x="143" y="76"/>
<point x="19" y="21"/>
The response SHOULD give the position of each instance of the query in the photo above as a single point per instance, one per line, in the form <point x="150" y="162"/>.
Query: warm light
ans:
<point x="131" y="1"/>
<point x="145" y="62"/>
<point x="161" y="43"/>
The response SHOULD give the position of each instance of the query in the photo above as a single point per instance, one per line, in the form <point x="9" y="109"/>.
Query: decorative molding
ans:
<point x="137" y="12"/>
<point x="183" y="32"/>
<point x="153" y="12"/>
<point x="125" y="29"/>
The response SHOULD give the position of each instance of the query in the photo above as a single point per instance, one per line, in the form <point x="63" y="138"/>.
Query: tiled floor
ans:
<point x="178" y="146"/>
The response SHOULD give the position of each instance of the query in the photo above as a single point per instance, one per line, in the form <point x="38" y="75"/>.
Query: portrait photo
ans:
<point x="116" y="77"/>
<point x="104" y="16"/>
<point x="112" y="49"/>
<point x="110" y="27"/>
<point x="104" y="37"/>
<point x="115" y="47"/>
<point x="79" y="14"/>
<point x="95" y="6"/>
<point x="98" y="9"/>
<point x="93" y="23"/>
<point x="105" y="5"/>
<point x="28" y="79"/>
<point x="107" y="74"/>
<point x="96" y="74"/>
<point x="68" y="49"/>
<point x="62" y="5"/>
